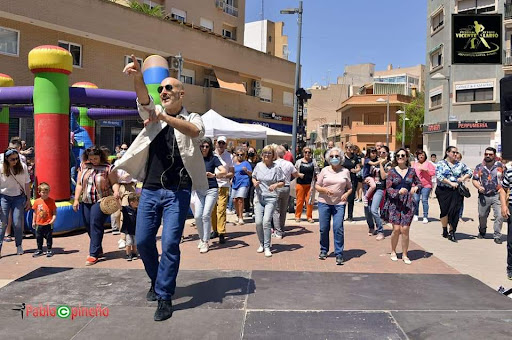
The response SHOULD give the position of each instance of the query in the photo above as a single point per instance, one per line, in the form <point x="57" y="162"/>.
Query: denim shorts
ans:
<point x="240" y="192"/>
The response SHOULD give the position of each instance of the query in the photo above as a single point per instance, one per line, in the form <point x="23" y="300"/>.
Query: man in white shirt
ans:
<point x="279" y="218"/>
<point x="224" y="183"/>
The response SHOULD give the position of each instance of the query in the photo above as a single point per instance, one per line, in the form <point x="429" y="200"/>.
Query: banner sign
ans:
<point x="433" y="128"/>
<point x="477" y="38"/>
<point x="112" y="123"/>
<point x="472" y="126"/>
<point x="274" y="116"/>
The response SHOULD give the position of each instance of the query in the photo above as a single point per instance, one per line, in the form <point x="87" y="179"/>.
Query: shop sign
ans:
<point x="111" y="123"/>
<point x="477" y="38"/>
<point x="433" y="128"/>
<point x="275" y="116"/>
<point x="473" y="86"/>
<point x="472" y="126"/>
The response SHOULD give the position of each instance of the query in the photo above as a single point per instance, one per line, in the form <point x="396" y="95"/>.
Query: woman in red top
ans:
<point x="425" y="170"/>
<point x="94" y="182"/>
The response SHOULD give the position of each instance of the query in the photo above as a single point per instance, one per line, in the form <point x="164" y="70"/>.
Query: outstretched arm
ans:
<point x="133" y="69"/>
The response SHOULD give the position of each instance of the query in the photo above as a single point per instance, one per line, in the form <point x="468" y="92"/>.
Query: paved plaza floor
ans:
<point x="232" y="292"/>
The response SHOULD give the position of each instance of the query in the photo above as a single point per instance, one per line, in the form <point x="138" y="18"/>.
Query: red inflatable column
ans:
<point x="5" y="81"/>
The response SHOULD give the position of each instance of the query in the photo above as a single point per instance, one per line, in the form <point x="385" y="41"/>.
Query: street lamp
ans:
<point x="400" y="112"/>
<point x="382" y="100"/>
<point x="297" y="73"/>
<point x="440" y="76"/>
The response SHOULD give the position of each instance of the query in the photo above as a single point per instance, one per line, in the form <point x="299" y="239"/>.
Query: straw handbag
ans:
<point x="109" y="205"/>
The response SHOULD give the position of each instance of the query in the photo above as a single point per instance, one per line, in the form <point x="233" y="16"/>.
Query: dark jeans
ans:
<point x="172" y="206"/>
<point x="94" y="224"/>
<point x="44" y="232"/>
<point x="350" y="200"/>
<point x="509" y="242"/>
<point x="325" y="212"/>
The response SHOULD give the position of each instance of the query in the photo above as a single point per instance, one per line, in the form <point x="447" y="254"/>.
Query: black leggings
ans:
<point x="44" y="232"/>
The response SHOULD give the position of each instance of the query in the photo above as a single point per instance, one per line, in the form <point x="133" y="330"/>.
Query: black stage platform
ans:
<point x="258" y="305"/>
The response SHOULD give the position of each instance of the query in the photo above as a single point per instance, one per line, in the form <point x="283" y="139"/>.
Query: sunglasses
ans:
<point x="167" y="87"/>
<point x="402" y="155"/>
<point x="221" y="143"/>
<point x="307" y="151"/>
<point x="335" y="156"/>
<point x="454" y="152"/>
<point x="124" y="148"/>
<point x="13" y="159"/>
<point x="205" y="146"/>
<point x="489" y="154"/>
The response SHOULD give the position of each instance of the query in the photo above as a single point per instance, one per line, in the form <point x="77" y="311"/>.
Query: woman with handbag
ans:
<point x="401" y="185"/>
<point x="451" y="175"/>
<point x="14" y="185"/>
<point x="307" y="169"/>
<point x="94" y="182"/>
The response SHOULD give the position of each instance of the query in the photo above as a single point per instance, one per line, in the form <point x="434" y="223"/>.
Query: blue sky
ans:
<point x="336" y="33"/>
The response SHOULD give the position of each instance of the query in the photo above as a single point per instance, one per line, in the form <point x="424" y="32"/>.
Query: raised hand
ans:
<point x="133" y="68"/>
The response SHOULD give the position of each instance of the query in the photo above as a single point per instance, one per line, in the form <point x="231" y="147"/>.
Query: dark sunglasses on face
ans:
<point x="335" y="156"/>
<point x="489" y="154"/>
<point x="307" y="151"/>
<point x="221" y="143"/>
<point x="401" y="155"/>
<point x="205" y="146"/>
<point x="13" y="159"/>
<point x="124" y="148"/>
<point x="167" y="87"/>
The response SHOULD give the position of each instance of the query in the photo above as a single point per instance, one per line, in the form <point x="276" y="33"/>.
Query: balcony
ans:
<point x="226" y="8"/>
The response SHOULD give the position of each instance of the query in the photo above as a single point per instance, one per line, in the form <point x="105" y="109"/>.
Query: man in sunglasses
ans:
<point x="487" y="178"/>
<point x="166" y="157"/>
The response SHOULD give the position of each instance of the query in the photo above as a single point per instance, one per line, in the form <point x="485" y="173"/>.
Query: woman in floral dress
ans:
<point x="401" y="185"/>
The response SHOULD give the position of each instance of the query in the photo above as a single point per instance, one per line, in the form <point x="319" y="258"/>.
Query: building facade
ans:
<point x="219" y="72"/>
<point x="466" y="97"/>
<point x="267" y="36"/>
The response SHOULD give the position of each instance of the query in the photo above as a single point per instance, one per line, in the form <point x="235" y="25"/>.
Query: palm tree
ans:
<point x="156" y="11"/>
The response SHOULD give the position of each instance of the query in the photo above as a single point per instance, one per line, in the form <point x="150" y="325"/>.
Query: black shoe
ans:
<point x="339" y="260"/>
<point x="452" y="237"/>
<point x="49" y="253"/>
<point x="151" y="295"/>
<point x="498" y="240"/>
<point x="222" y="239"/>
<point x="509" y="274"/>
<point x="480" y="236"/>
<point x="323" y="255"/>
<point x="445" y="232"/>
<point x="128" y="257"/>
<point x="163" y="311"/>
<point x="135" y="256"/>
<point x="37" y="253"/>
<point x="214" y="234"/>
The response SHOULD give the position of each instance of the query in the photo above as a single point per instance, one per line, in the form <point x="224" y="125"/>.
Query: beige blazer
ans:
<point x="135" y="159"/>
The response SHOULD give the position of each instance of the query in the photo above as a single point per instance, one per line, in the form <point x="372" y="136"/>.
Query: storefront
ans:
<point x="434" y="136"/>
<point x="471" y="138"/>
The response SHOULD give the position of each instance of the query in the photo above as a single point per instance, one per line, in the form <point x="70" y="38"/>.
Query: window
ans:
<point x="437" y="21"/>
<point x="128" y="59"/>
<point x="474" y="95"/>
<point x="436" y="100"/>
<point x="287" y="99"/>
<point x="229" y="33"/>
<point x="9" y="41"/>
<point x="75" y="50"/>
<point x="436" y="58"/>
<point x="373" y="119"/>
<point x="266" y="94"/>
<point x="178" y="14"/>
<point x="187" y="76"/>
<point x="151" y="4"/>
<point x="468" y="6"/>
<point x="206" y="23"/>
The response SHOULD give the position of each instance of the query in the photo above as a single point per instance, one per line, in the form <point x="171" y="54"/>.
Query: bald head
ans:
<point x="171" y="96"/>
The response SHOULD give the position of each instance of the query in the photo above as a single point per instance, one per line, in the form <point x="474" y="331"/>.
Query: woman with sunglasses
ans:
<point x="267" y="177"/>
<point x="206" y="200"/>
<point x="401" y="185"/>
<point x="450" y="173"/>
<point x="334" y="186"/>
<point x="14" y="187"/>
<point x="425" y="171"/>
<point x="240" y="183"/>
<point x="372" y="211"/>
<point x="307" y="171"/>
<point x="93" y="183"/>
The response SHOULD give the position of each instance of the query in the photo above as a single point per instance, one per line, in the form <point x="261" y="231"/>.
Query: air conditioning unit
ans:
<point x="221" y="4"/>
<point x="174" y="63"/>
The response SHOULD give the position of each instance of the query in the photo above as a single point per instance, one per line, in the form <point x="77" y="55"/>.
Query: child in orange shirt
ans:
<point x="45" y="213"/>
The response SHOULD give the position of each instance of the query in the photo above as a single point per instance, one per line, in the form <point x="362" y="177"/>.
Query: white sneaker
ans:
<point x="278" y="236"/>
<point x="230" y="212"/>
<point x="204" y="248"/>
<point x="121" y="243"/>
<point x="415" y="218"/>
<point x="425" y="220"/>
<point x="260" y="249"/>
<point x="241" y="221"/>
<point x="200" y="244"/>
<point x="268" y="253"/>
<point x="19" y="250"/>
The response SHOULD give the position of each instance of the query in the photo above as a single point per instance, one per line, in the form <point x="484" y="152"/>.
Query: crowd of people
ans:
<point x="179" y="168"/>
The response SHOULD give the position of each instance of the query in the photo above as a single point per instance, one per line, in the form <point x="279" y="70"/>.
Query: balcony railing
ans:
<point x="508" y="58"/>
<point x="508" y="11"/>
<point x="227" y="8"/>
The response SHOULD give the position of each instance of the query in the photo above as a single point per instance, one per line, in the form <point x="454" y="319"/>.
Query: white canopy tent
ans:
<point x="270" y="132"/>
<point x="217" y="125"/>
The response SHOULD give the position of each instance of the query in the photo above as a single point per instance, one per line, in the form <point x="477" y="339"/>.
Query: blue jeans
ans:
<point x="337" y="212"/>
<point x="424" y="192"/>
<point x="16" y="204"/>
<point x="230" y="200"/>
<point x="372" y="211"/>
<point x="203" y="212"/>
<point x="172" y="206"/>
<point x="94" y="224"/>
<point x="264" y="207"/>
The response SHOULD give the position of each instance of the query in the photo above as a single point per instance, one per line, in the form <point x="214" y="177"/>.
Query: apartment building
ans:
<point x="267" y="36"/>
<point x="219" y="72"/>
<point x="466" y="98"/>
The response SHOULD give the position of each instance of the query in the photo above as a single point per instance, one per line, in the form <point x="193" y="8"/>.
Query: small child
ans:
<point x="370" y="161"/>
<point x="45" y="213"/>
<point x="129" y="224"/>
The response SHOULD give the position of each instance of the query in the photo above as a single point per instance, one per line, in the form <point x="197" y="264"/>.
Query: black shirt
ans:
<point x="351" y="163"/>
<point x="165" y="169"/>
<point x="129" y="220"/>
<point x="211" y="163"/>
<point x="308" y="169"/>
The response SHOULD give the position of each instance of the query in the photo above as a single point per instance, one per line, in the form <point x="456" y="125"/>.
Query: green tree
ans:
<point x="415" y="112"/>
